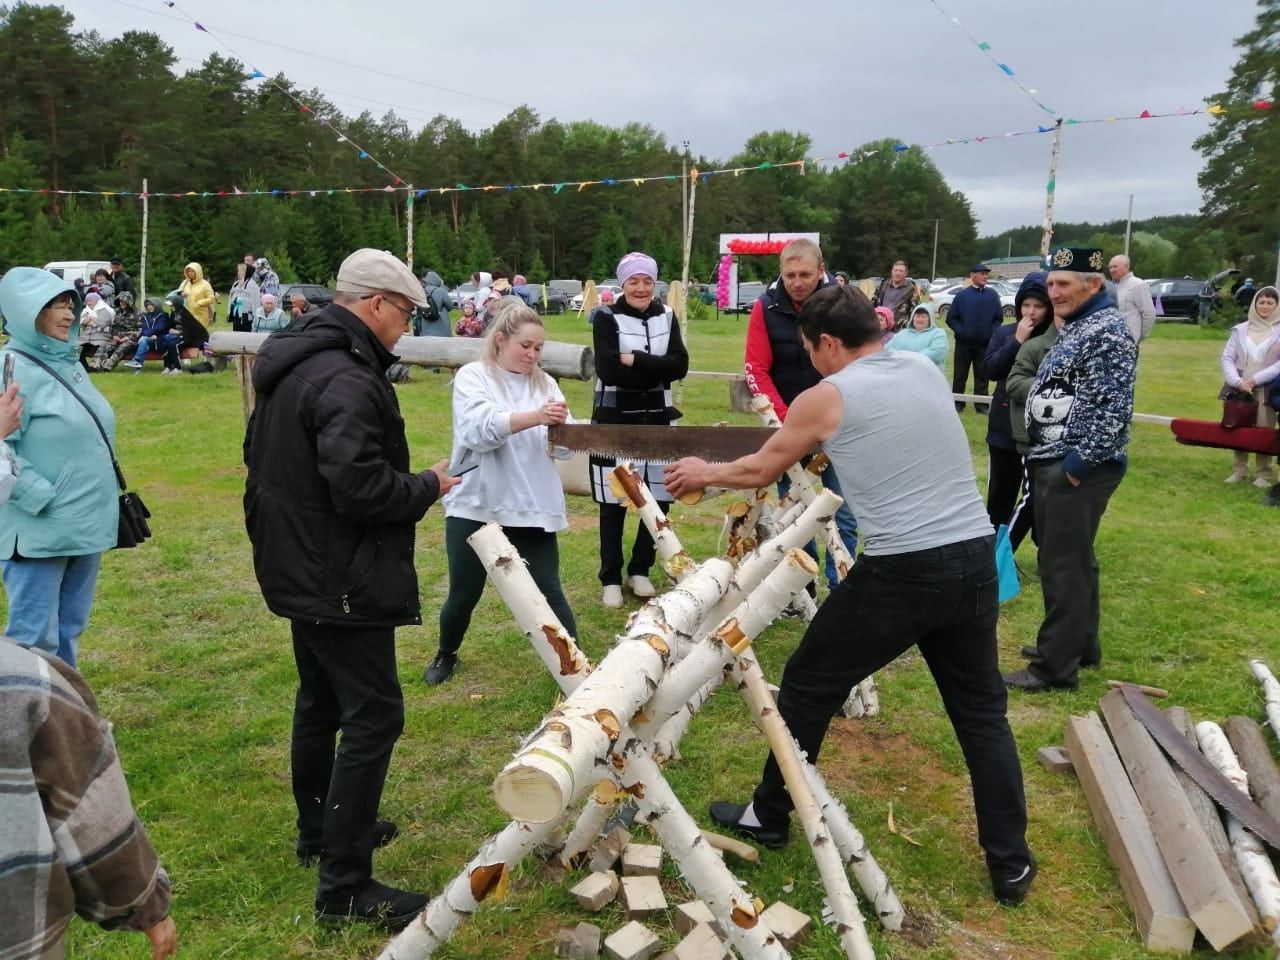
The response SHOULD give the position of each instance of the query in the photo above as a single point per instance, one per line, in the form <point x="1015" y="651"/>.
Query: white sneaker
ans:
<point x="1262" y="481"/>
<point x="641" y="587"/>
<point x="1236" y="478"/>
<point x="612" y="596"/>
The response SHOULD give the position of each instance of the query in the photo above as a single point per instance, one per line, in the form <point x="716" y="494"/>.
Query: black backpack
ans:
<point x="430" y="313"/>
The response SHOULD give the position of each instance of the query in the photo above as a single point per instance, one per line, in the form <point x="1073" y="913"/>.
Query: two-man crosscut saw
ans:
<point x="1205" y="774"/>
<point x="660" y="444"/>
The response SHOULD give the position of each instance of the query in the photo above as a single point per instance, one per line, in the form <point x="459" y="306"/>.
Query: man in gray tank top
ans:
<point x="926" y="577"/>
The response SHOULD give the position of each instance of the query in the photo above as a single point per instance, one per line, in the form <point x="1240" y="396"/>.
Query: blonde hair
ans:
<point x="509" y="316"/>
<point x="801" y="247"/>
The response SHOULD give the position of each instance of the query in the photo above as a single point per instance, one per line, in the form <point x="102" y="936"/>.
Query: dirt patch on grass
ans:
<point x="854" y="748"/>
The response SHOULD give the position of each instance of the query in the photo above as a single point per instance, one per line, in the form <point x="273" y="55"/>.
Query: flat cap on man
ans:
<point x="979" y="268"/>
<point x="1076" y="259"/>
<point x="369" y="271"/>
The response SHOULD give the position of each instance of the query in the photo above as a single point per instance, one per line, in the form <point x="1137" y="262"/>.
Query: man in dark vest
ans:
<point x="778" y="366"/>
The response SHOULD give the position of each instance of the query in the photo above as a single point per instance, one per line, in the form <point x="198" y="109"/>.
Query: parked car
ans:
<point x="941" y="302"/>
<point x="748" y="294"/>
<point x="544" y="299"/>
<point x="1179" y="299"/>
<point x="570" y="288"/>
<point x="576" y="302"/>
<point x="462" y="293"/>
<point x="316" y="295"/>
<point x="73" y="270"/>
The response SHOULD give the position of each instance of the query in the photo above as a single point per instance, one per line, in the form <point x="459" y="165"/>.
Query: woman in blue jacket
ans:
<point x="1006" y="472"/>
<point x="922" y="335"/>
<point x="63" y="512"/>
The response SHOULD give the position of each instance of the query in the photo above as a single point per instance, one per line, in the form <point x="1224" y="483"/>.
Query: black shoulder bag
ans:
<point x="133" y="528"/>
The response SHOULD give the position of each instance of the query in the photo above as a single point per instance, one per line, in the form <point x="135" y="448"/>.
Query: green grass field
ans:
<point x="198" y="679"/>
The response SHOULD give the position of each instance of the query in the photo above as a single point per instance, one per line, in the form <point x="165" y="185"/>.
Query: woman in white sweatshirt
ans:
<point x="1250" y="362"/>
<point x="502" y="406"/>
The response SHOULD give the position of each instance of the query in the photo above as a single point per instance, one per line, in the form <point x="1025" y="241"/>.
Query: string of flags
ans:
<point x="303" y="107"/>
<point x="1004" y="68"/>
<point x="397" y="186"/>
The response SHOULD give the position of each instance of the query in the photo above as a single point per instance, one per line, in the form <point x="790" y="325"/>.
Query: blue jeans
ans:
<point x="846" y="523"/>
<point x="166" y="344"/>
<point x="49" y="601"/>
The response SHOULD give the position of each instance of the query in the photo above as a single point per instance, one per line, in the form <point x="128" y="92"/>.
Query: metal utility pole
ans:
<point x="934" y="271"/>
<point x="1128" y="228"/>
<point x="1008" y="255"/>
<point x="1046" y="234"/>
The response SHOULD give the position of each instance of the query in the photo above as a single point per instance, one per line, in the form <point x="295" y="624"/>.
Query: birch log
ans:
<point x="594" y="815"/>
<point x="1270" y="692"/>
<point x="745" y="517"/>
<point x="554" y="768"/>
<point x="699" y="864"/>
<point x="570" y="361"/>
<point x="708" y="659"/>
<point x="464" y="894"/>
<point x="849" y="924"/>
<point x="675" y="561"/>
<point x="1255" y="866"/>
<point x="558" y="651"/>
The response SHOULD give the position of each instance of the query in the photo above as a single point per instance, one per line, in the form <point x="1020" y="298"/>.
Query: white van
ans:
<point x="73" y="270"/>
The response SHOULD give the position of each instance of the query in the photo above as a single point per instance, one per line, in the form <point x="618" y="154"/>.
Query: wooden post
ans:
<point x="142" y="259"/>
<point x="244" y="364"/>
<point x="408" y="242"/>
<point x="1051" y="189"/>
<point x="1201" y="882"/>
<point x="1211" y="821"/>
<point x="1144" y="878"/>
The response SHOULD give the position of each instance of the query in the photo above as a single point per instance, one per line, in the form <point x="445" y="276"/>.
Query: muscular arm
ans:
<point x="816" y="415"/>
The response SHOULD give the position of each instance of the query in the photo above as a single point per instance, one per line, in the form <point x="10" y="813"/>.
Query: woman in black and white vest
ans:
<point x="639" y="354"/>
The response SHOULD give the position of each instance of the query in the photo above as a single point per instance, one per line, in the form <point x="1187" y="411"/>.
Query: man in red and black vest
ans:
<point x="778" y="366"/>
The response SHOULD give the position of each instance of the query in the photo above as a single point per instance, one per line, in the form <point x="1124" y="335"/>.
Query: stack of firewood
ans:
<point x="1185" y="863"/>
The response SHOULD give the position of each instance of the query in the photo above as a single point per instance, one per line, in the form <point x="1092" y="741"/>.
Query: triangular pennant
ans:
<point x="559" y="187"/>
<point x="638" y="181"/>
<point x="1216" y="109"/>
<point x="1145" y="115"/>
<point x="984" y="45"/>
<point x="1006" y="68"/>
<point x="256" y="75"/>
<point x="1262" y="104"/>
<point x="201" y="28"/>
<point x="342" y="139"/>
<point x="364" y="155"/>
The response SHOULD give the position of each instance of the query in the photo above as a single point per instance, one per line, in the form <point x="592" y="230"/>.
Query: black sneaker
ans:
<point x="1027" y="681"/>
<point x="1272" y="499"/>
<point x="727" y="815"/>
<point x="441" y="668"/>
<point x="376" y="903"/>
<point x="1011" y="892"/>
<point x="384" y="831"/>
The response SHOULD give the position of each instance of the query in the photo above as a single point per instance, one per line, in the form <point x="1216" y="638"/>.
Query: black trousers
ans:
<point x="613" y="518"/>
<point x="967" y="356"/>
<point x="1007" y="476"/>
<point x="346" y="682"/>
<point x="467" y="577"/>
<point x="1068" y="518"/>
<point x="943" y="600"/>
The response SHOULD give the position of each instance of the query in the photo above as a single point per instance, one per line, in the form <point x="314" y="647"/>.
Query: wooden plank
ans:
<point x="1255" y="756"/>
<point x="1211" y="821"/>
<point x="1144" y="878"/>
<point x="1054" y="759"/>
<point x="1206" y="892"/>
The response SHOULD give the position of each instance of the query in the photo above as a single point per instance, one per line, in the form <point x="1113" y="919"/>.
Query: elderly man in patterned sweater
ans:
<point x="69" y="839"/>
<point x="1078" y="415"/>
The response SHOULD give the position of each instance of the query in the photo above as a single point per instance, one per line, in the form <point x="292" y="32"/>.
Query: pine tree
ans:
<point x="1241" y="175"/>
<point x="610" y="246"/>
<point x="537" y="269"/>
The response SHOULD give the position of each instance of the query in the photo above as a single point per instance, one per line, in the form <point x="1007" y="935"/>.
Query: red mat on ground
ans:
<point x="1207" y="433"/>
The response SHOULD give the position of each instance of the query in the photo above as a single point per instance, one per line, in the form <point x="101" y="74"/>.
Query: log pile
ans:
<point x="601" y="747"/>
<point x="1184" y="863"/>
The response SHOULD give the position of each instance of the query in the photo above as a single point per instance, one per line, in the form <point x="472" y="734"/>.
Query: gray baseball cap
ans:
<point x="369" y="271"/>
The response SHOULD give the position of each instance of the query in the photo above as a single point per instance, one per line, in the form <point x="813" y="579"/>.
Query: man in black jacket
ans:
<point x="121" y="280"/>
<point x="973" y="317"/>
<point x="330" y="506"/>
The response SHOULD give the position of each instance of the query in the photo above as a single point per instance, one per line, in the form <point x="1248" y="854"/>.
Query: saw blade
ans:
<point x="660" y="444"/>
<point x="1204" y="773"/>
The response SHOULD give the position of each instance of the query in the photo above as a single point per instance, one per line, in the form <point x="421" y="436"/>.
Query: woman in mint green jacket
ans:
<point x="63" y="512"/>
<point x="922" y="335"/>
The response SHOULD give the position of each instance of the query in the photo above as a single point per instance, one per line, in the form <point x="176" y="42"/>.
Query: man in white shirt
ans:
<point x="1133" y="297"/>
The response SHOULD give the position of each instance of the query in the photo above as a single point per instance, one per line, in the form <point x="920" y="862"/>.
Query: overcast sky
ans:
<point x="716" y="73"/>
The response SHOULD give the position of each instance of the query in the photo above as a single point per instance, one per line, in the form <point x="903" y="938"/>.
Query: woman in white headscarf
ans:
<point x="1250" y="362"/>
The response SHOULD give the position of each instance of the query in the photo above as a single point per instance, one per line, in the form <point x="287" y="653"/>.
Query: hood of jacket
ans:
<point x="433" y="280"/>
<point x="197" y="268"/>
<point x="24" y="292"/>
<point x="1035" y="285"/>
<point x="922" y="308"/>
<point x="333" y="328"/>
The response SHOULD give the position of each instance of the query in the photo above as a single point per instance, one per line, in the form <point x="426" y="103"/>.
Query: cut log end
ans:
<point x="530" y="795"/>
